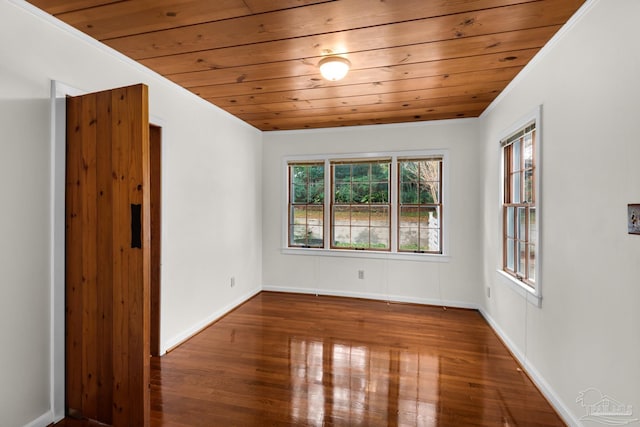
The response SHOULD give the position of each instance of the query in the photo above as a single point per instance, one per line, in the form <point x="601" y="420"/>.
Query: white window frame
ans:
<point x="533" y="295"/>
<point x="393" y="197"/>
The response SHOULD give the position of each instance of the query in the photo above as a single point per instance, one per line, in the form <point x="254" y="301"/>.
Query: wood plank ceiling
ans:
<point x="412" y="60"/>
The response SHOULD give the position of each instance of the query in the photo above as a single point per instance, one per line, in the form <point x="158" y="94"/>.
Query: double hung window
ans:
<point x="519" y="207"/>
<point x="387" y="202"/>
<point x="306" y="205"/>
<point x="360" y="209"/>
<point x="420" y="207"/>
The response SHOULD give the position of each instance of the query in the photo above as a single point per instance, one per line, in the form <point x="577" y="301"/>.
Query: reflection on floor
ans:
<point x="301" y="360"/>
<point x="286" y="359"/>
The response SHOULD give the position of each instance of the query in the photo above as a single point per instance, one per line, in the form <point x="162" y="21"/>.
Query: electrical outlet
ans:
<point x="233" y="282"/>
<point x="360" y="274"/>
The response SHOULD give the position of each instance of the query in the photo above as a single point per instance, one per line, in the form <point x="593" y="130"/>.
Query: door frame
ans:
<point x="155" y="260"/>
<point x="58" y="118"/>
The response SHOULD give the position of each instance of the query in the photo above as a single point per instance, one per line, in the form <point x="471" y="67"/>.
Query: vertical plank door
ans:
<point x="107" y="257"/>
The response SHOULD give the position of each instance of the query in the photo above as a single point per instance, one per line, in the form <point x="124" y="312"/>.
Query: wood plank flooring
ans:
<point x="301" y="360"/>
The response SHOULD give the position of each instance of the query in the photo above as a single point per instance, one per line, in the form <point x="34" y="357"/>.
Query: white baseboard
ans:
<point x="42" y="421"/>
<point x="193" y="330"/>
<point x="533" y="373"/>
<point x="365" y="295"/>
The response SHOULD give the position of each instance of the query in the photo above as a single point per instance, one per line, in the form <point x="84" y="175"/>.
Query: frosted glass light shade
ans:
<point x="334" y="68"/>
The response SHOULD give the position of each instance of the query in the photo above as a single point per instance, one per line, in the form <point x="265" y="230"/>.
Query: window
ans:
<point x="519" y="207"/>
<point x="360" y="209"/>
<point x="420" y="208"/>
<point x="385" y="203"/>
<point x="306" y="205"/>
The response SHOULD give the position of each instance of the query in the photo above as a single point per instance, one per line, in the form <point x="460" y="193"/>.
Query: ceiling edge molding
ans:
<point x="424" y="123"/>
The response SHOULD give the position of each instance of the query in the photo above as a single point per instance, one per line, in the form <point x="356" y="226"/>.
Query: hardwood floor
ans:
<point x="301" y="360"/>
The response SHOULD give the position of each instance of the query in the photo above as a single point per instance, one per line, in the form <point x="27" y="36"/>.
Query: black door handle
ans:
<point x="136" y="226"/>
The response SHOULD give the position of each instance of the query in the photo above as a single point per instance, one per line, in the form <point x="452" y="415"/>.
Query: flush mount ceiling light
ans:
<point x="334" y="68"/>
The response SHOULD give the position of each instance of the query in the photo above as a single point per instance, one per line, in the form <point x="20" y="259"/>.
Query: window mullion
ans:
<point x="394" y="204"/>
<point x="522" y="170"/>
<point x="517" y="240"/>
<point x="526" y="243"/>
<point x="328" y="204"/>
<point x="439" y="207"/>
<point x="514" y="251"/>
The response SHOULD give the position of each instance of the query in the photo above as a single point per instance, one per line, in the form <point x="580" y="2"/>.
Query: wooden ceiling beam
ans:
<point x="276" y="23"/>
<point x="489" y="90"/>
<point x="398" y="74"/>
<point x="145" y="16"/>
<point x="373" y="108"/>
<point x="405" y="55"/>
<point x="234" y="63"/>
<point x="56" y="7"/>
<point x="442" y="81"/>
<point x="331" y="40"/>
<point x="330" y="122"/>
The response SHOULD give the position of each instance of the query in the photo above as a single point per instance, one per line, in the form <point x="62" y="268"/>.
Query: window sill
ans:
<point x="521" y="289"/>
<point x="346" y="253"/>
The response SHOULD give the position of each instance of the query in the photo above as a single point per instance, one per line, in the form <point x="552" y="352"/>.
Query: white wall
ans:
<point x="24" y="256"/>
<point x="452" y="282"/>
<point x="211" y="205"/>
<point x="586" y="334"/>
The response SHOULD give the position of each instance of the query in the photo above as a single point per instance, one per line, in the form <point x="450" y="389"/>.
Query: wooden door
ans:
<point x="107" y="257"/>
